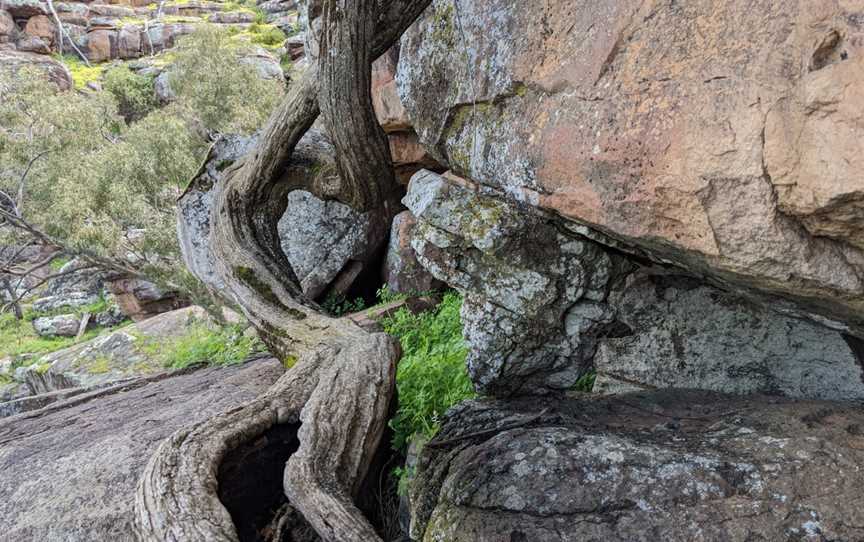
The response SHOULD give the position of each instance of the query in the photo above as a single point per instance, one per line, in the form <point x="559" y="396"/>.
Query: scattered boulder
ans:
<point x="55" y="71"/>
<point x="533" y="305"/>
<point x="23" y="9"/>
<point x="110" y="357"/>
<point x="78" y="480"/>
<point x="402" y="272"/>
<point x="60" y="325"/>
<point x="140" y="299"/>
<point x="670" y="127"/>
<point x="162" y="88"/>
<point x="660" y="465"/>
<point x="32" y="44"/>
<point x="41" y="27"/>
<point x="266" y="65"/>
<point x="8" y="30"/>
<point x="320" y="238"/>
<point x="69" y="300"/>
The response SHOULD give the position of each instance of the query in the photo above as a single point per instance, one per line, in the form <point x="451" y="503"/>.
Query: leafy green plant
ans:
<point x="339" y="305"/>
<point x="133" y="92"/>
<point x="586" y="382"/>
<point x="431" y="376"/>
<point x="218" y="90"/>
<point x="203" y="343"/>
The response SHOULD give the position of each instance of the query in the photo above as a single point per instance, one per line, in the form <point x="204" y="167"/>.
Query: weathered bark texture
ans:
<point x="342" y="385"/>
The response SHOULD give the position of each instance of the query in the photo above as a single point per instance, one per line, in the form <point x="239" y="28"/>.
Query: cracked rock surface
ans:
<point x="723" y="137"/>
<point x="661" y="465"/>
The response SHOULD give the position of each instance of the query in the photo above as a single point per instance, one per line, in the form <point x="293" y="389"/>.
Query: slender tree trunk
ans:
<point x="342" y="385"/>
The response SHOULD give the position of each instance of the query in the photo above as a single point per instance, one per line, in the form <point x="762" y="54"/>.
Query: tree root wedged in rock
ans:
<point x="341" y="387"/>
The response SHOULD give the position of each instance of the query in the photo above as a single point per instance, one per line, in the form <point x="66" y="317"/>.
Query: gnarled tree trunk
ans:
<point x="342" y="385"/>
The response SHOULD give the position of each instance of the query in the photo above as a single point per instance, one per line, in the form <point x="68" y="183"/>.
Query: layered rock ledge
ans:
<point x="663" y="465"/>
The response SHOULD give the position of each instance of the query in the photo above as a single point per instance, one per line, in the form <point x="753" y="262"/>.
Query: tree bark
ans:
<point x="341" y="387"/>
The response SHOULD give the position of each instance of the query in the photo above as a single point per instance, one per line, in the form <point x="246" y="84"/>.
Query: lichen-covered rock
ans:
<point x="402" y="272"/>
<point x="69" y="300"/>
<point x="321" y="238"/>
<point x="8" y="29"/>
<point x="111" y="357"/>
<point x="723" y="137"/>
<point x="61" y="325"/>
<point x="55" y="72"/>
<point x="76" y="482"/>
<point x="534" y="295"/>
<point x="543" y="304"/>
<point x="665" y="465"/>
<point x="675" y="332"/>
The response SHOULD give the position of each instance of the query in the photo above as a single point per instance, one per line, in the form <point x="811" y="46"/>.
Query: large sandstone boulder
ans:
<point x="70" y="470"/>
<point x="141" y="299"/>
<point x="544" y="304"/>
<point x="664" y="465"/>
<point x="723" y="137"/>
<point x="8" y="29"/>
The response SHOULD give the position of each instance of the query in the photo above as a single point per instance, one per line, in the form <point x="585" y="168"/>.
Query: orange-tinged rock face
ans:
<point x="40" y="26"/>
<point x="722" y="136"/>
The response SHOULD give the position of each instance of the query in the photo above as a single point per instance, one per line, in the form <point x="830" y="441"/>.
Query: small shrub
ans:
<point x="267" y="35"/>
<point x="431" y="376"/>
<point x="585" y="382"/>
<point x="133" y="92"/>
<point x="339" y="305"/>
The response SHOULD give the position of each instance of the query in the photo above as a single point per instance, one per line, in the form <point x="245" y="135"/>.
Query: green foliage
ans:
<point x="18" y="337"/>
<point x="204" y="343"/>
<point x="81" y="72"/>
<point x="216" y="88"/>
<point x="339" y="305"/>
<point x="431" y="376"/>
<point x="133" y="92"/>
<point x="586" y="382"/>
<point x="267" y="35"/>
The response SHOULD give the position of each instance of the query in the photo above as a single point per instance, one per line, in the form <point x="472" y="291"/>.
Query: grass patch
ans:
<point x="18" y="337"/>
<point x="431" y="376"/>
<point x="203" y="343"/>
<point x="81" y="73"/>
<point x="267" y="36"/>
<point x="586" y="382"/>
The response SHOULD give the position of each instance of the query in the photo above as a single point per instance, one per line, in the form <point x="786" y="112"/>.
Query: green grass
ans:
<point x="431" y="376"/>
<point x="18" y="337"/>
<point x="203" y="343"/>
<point x="266" y="35"/>
<point x="81" y="73"/>
<point x="586" y="382"/>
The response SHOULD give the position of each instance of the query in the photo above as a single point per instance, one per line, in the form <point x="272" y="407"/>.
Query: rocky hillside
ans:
<point x="649" y="216"/>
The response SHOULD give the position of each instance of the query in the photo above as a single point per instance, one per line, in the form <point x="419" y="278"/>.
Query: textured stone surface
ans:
<point x="664" y="465"/>
<point x="61" y="325"/>
<point x="56" y="72"/>
<point x="119" y="355"/>
<point x="722" y="136"/>
<point x="402" y="272"/>
<point x="676" y="332"/>
<point x="534" y="296"/>
<point x="140" y="299"/>
<point x="69" y="471"/>
<point x="320" y="238"/>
